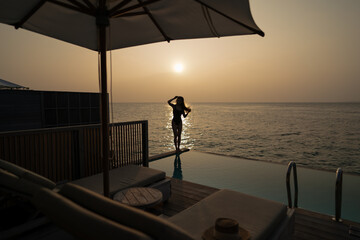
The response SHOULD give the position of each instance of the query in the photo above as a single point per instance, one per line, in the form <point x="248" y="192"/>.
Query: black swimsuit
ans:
<point x="177" y="115"/>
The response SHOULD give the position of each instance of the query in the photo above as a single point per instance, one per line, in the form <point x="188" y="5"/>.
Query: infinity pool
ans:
<point x="266" y="180"/>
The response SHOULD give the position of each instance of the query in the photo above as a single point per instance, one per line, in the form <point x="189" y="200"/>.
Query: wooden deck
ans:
<point x="183" y="195"/>
<point x="308" y="225"/>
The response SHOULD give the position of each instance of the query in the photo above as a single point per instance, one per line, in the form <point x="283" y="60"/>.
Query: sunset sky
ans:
<point x="310" y="53"/>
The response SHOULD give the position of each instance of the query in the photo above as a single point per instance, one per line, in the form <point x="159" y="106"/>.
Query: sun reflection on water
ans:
<point x="186" y="139"/>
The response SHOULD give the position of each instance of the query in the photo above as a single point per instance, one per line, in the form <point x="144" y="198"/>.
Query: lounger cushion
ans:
<point x="13" y="183"/>
<point x="26" y="174"/>
<point x="80" y="222"/>
<point x="259" y="216"/>
<point x="7" y="179"/>
<point x="151" y="225"/>
<point x="121" y="178"/>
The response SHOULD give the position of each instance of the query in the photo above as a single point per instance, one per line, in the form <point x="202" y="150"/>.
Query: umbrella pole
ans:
<point x="104" y="108"/>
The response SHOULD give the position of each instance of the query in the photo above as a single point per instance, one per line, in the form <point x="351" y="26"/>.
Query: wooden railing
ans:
<point x="69" y="153"/>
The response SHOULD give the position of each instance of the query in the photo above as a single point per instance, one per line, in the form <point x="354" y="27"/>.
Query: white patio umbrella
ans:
<point x="9" y="85"/>
<point x="102" y="25"/>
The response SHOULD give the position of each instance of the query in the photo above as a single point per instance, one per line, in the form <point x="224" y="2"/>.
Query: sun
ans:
<point x="179" y="67"/>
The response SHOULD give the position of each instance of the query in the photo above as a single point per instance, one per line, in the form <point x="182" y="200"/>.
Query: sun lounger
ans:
<point x="126" y="177"/>
<point x="81" y="222"/>
<point x="88" y="215"/>
<point x="18" y="185"/>
<point x="264" y="219"/>
<point x="120" y="178"/>
<point x="78" y="209"/>
<point x="22" y="173"/>
<point x="18" y="214"/>
<point x="22" y="182"/>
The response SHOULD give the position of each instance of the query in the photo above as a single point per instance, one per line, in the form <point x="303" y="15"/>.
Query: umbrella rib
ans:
<point x="90" y="5"/>
<point x="72" y="7"/>
<point x="261" y="33"/>
<point x="155" y="22"/>
<point x="80" y="5"/>
<point x="136" y="6"/>
<point x="29" y="14"/>
<point x="133" y="14"/>
<point x="209" y="20"/>
<point x="117" y="7"/>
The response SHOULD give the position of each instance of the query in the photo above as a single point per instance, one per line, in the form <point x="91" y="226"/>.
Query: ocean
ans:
<point x="316" y="135"/>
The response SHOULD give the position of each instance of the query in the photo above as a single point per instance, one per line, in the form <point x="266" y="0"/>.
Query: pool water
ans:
<point x="266" y="180"/>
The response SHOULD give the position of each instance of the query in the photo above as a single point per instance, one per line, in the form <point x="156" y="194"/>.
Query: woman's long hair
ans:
<point x="183" y="105"/>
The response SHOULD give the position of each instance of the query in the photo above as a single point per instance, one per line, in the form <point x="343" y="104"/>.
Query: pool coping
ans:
<point x="167" y="154"/>
<point x="171" y="153"/>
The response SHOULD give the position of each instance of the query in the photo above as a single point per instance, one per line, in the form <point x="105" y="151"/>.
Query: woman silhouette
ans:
<point x="178" y="109"/>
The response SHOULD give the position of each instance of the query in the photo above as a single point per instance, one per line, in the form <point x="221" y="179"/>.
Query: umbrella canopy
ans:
<point x="131" y="23"/>
<point x="103" y="25"/>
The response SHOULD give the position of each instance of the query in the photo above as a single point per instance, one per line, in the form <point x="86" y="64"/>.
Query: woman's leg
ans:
<point x="179" y="136"/>
<point x="175" y="131"/>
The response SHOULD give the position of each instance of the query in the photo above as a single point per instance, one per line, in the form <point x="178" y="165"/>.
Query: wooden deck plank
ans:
<point x="311" y="225"/>
<point x="185" y="194"/>
<point x="334" y="227"/>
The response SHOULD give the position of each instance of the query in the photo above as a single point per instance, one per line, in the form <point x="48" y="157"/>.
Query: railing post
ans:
<point x="292" y="165"/>
<point x="84" y="146"/>
<point x="338" y="194"/>
<point x="81" y="152"/>
<point x="145" y="144"/>
<point x="77" y="153"/>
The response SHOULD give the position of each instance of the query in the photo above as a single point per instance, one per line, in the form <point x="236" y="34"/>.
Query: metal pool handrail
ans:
<point x="292" y="166"/>
<point x="338" y="194"/>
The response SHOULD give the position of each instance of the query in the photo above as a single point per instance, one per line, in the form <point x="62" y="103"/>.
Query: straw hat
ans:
<point x="226" y="229"/>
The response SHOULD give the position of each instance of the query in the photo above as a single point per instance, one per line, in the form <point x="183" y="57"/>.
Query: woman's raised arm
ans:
<point x="170" y="100"/>
<point x="187" y="112"/>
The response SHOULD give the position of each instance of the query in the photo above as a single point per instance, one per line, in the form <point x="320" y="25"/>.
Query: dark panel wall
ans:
<point x="26" y="109"/>
<point x="20" y="109"/>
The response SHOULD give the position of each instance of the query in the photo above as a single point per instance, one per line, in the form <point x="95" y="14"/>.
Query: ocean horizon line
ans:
<point x="220" y="102"/>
